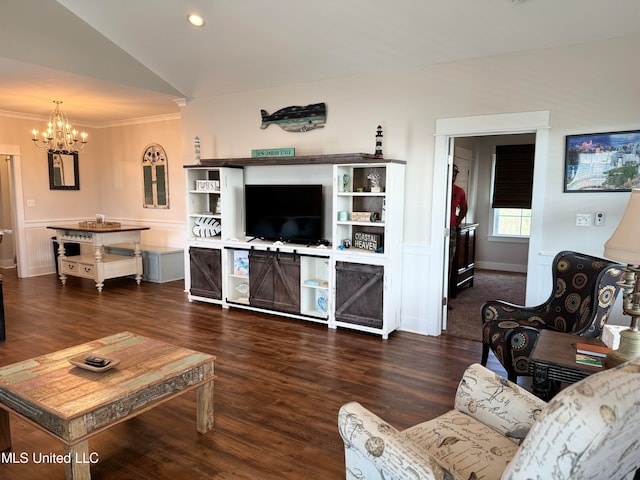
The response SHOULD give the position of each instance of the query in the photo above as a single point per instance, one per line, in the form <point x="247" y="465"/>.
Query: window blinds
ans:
<point x="513" y="177"/>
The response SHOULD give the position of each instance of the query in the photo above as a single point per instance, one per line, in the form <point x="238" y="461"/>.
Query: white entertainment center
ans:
<point x="351" y="280"/>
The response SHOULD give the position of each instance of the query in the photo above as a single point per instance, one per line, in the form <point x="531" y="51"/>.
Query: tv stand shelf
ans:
<point x="351" y="280"/>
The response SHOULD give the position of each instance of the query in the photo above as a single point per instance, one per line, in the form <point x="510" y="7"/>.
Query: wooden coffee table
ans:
<point x="553" y="361"/>
<point x="73" y="404"/>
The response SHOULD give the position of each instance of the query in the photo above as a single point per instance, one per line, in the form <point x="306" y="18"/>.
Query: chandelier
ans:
<point x="59" y="136"/>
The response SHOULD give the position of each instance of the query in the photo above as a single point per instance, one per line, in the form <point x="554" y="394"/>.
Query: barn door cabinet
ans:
<point x="205" y="267"/>
<point x="278" y="280"/>
<point x="274" y="280"/>
<point x="360" y="294"/>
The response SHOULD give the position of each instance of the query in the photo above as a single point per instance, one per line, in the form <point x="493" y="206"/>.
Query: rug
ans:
<point x="463" y="319"/>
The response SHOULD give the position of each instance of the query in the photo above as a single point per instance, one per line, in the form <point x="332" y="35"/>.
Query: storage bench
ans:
<point x="159" y="264"/>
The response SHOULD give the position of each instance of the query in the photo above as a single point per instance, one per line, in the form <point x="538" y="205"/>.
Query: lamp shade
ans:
<point x="624" y="244"/>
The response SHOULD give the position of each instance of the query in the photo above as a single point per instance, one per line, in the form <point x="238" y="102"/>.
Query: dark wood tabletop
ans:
<point x="99" y="229"/>
<point x="553" y="361"/>
<point x="560" y="349"/>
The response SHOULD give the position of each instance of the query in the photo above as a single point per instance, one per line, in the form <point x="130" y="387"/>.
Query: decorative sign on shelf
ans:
<point x="361" y="216"/>
<point x="208" y="185"/>
<point x="366" y="241"/>
<point x="241" y="262"/>
<point x="297" y="118"/>
<point x="273" y="152"/>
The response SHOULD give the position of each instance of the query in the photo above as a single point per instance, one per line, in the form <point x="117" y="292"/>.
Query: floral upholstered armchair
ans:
<point x="498" y="430"/>
<point x="585" y="289"/>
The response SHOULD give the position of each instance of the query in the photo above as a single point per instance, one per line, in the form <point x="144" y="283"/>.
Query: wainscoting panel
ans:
<point x="39" y="246"/>
<point x="39" y="249"/>
<point x="421" y="291"/>
<point x="539" y="279"/>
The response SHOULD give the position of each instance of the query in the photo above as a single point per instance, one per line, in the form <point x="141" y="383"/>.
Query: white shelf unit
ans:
<point x="237" y="276"/>
<point x="221" y="201"/>
<point x="214" y="194"/>
<point x="367" y="246"/>
<point x="314" y="286"/>
<point x="326" y="275"/>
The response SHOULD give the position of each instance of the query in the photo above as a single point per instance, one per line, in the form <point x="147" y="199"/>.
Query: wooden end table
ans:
<point x="73" y="404"/>
<point x="553" y="361"/>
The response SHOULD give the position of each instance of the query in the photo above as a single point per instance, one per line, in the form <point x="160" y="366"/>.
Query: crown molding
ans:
<point x="119" y="123"/>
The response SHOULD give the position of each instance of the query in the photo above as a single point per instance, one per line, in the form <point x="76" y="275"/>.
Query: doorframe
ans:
<point x="17" y="205"/>
<point x="484" y="125"/>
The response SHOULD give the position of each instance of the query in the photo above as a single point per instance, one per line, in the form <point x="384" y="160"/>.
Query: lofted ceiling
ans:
<point x="118" y="60"/>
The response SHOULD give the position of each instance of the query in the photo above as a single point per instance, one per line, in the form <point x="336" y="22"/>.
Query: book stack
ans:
<point x="594" y="355"/>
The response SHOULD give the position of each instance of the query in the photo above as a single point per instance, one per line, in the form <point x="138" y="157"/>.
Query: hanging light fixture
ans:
<point x="59" y="136"/>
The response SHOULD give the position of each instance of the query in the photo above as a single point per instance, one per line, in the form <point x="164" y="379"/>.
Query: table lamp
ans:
<point x="624" y="247"/>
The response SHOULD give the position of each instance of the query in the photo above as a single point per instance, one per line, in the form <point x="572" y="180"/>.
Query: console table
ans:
<point x="99" y="266"/>
<point x="553" y="361"/>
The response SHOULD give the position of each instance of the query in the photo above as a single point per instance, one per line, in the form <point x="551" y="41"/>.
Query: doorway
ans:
<point x="7" y="248"/>
<point x="14" y="209"/>
<point x="447" y="130"/>
<point x="499" y="261"/>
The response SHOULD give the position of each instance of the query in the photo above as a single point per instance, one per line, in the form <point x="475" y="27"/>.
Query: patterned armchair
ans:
<point x="589" y="431"/>
<point x="585" y="291"/>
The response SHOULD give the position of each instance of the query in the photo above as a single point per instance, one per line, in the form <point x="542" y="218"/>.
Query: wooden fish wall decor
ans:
<point x="297" y="119"/>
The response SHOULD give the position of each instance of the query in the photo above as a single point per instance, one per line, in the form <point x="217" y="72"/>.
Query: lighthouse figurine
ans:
<point x="196" y="146"/>
<point x="378" y="153"/>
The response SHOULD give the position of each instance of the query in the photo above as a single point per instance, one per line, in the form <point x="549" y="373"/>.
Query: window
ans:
<point x="513" y="176"/>
<point x="512" y="222"/>
<point x="512" y="190"/>
<point x="154" y="176"/>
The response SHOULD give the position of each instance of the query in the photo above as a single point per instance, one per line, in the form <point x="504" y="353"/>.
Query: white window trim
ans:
<point x="507" y="239"/>
<point x="494" y="237"/>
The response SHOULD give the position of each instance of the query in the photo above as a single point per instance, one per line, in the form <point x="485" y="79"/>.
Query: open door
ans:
<point x="447" y="230"/>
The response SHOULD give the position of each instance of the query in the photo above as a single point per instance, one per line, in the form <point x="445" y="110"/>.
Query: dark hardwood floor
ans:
<point x="279" y="382"/>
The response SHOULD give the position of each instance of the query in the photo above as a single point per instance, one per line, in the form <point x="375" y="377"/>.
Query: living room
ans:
<point x="409" y="103"/>
<point x="553" y="91"/>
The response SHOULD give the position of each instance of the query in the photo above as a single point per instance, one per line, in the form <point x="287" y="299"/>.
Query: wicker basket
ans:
<point x="99" y="225"/>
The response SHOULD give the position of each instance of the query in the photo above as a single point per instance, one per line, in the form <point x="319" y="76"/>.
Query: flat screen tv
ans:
<point x="287" y="213"/>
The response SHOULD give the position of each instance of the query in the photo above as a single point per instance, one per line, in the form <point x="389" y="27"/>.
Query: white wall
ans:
<point x="121" y="179"/>
<point x="110" y="183"/>
<point x="586" y="88"/>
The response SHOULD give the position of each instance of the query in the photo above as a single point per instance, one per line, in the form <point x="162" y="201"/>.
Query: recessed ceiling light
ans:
<point x="195" y="20"/>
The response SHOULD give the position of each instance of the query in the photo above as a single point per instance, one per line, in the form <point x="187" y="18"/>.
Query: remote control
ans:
<point x="95" y="361"/>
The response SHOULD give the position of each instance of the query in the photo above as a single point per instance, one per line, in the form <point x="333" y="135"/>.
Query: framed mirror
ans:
<point x="63" y="171"/>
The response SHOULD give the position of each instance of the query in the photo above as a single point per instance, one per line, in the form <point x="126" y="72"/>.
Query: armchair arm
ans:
<point x="374" y="449"/>
<point x="495" y="401"/>
<point x="500" y="310"/>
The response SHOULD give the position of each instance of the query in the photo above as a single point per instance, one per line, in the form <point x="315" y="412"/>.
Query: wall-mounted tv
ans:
<point x="287" y="213"/>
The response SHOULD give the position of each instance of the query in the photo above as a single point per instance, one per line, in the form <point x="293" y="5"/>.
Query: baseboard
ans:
<point x="503" y="267"/>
